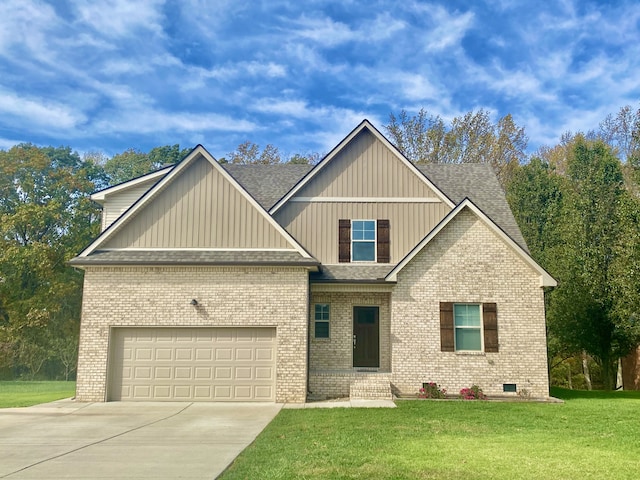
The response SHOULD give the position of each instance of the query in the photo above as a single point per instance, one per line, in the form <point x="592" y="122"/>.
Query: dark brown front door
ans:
<point x="366" y="337"/>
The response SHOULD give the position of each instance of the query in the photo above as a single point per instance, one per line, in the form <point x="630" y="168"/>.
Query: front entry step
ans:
<point x="374" y="386"/>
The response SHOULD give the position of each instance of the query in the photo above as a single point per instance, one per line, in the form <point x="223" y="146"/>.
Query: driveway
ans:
<point x="72" y="440"/>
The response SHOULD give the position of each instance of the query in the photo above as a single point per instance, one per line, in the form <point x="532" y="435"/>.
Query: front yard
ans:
<point x="25" y="394"/>
<point x="592" y="435"/>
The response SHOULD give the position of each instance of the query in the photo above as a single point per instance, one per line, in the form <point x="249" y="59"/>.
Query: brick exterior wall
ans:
<point x="160" y="296"/>
<point x="336" y="352"/>
<point x="468" y="262"/>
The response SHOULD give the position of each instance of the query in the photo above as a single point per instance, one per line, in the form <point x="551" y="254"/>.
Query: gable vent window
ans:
<point x="363" y="241"/>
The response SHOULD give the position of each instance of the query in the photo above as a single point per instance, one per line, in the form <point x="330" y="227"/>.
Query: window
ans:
<point x="363" y="240"/>
<point x="468" y="327"/>
<point x="321" y="320"/>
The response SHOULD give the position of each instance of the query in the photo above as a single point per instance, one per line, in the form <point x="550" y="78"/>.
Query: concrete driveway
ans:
<point x="65" y="439"/>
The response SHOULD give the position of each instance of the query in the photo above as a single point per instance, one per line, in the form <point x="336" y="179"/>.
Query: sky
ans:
<point x="109" y="75"/>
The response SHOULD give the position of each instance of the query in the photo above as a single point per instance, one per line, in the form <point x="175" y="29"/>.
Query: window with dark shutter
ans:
<point x="490" y="323"/>
<point x="383" y="241"/>
<point x="446" y="327"/>
<point x="344" y="241"/>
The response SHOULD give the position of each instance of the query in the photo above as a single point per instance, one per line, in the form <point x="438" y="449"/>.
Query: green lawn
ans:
<point x="593" y="435"/>
<point x="24" y="394"/>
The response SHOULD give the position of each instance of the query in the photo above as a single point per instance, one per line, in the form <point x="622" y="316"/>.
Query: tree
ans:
<point x="422" y="138"/>
<point x="249" y="153"/>
<point x="471" y="138"/>
<point x="45" y="219"/>
<point x="582" y="310"/>
<point x="133" y="163"/>
<point x="307" y="159"/>
<point x="622" y="132"/>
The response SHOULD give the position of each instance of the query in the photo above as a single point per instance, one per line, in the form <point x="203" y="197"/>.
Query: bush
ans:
<point x="431" y="390"/>
<point x="473" y="393"/>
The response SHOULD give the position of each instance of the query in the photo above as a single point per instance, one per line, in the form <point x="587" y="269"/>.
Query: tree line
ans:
<point x="577" y="204"/>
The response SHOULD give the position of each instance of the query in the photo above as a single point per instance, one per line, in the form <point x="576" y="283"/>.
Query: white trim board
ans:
<point x="101" y="195"/>
<point x="366" y="199"/>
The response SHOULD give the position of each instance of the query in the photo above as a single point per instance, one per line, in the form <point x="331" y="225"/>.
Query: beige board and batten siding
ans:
<point x="366" y="180"/>
<point x="315" y="224"/>
<point x="199" y="209"/>
<point x="117" y="203"/>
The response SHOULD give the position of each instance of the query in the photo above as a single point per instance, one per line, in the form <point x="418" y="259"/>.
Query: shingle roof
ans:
<point x="267" y="183"/>
<point x="479" y="183"/>
<point x="193" y="257"/>
<point x="354" y="273"/>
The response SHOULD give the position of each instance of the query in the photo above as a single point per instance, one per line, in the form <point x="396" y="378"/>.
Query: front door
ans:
<point x="366" y="337"/>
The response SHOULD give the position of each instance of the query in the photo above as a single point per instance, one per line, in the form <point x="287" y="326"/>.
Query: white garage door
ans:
<point x="193" y="364"/>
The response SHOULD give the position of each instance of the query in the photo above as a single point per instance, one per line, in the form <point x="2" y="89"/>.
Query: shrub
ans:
<point x="431" y="390"/>
<point x="473" y="393"/>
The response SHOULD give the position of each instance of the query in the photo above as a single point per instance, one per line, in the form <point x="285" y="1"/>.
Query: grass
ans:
<point x="592" y="435"/>
<point x="25" y="394"/>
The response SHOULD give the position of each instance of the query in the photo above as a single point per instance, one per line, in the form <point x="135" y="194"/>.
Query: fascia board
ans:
<point x="100" y="195"/>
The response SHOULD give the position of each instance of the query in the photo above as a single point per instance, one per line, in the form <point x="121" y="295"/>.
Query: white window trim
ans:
<point x="327" y="321"/>
<point x="455" y="328"/>
<point x="375" y="240"/>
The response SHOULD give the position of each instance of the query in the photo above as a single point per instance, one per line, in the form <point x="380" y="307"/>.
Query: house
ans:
<point x="361" y="276"/>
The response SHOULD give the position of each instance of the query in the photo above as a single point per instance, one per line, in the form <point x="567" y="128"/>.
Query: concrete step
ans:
<point x="370" y="387"/>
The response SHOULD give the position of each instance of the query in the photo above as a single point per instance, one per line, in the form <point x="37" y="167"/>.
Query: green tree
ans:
<point x="45" y="219"/>
<point x="582" y="310"/>
<point x="133" y="163"/>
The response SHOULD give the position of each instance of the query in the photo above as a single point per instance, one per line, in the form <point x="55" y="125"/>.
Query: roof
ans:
<point x="267" y="183"/>
<point x="479" y="183"/>
<point x="195" y="257"/>
<point x="352" y="273"/>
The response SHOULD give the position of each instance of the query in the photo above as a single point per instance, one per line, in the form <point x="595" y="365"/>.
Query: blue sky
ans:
<point x="112" y="74"/>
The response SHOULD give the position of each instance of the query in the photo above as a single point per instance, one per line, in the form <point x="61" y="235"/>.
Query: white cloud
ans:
<point x="450" y="29"/>
<point x="38" y="112"/>
<point x="322" y="30"/>
<point x="120" y="18"/>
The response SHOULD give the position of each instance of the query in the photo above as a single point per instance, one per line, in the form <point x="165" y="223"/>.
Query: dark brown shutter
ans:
<point x="383" y="241"/>
<point x="446" y="327"/>
<point x="490" y="320"/>
<point x="344" y="241"/>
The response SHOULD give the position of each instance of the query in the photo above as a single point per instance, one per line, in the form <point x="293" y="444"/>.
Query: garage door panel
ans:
<point x="263" y="392"/>
<point x="184" y="354"/>
<point x="194" y="364"/>
<point x="244" y="354"/>
<point x="162" y="373"/>
<point x="164" y="354"/>
<point x="203" y="373"/>
<point x="223" y="353"/>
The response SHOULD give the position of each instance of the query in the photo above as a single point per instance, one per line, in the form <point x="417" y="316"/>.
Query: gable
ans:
<point x="365" y="168"/>
<point x="487" y="237"/>
<point x="197" y="205"/>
